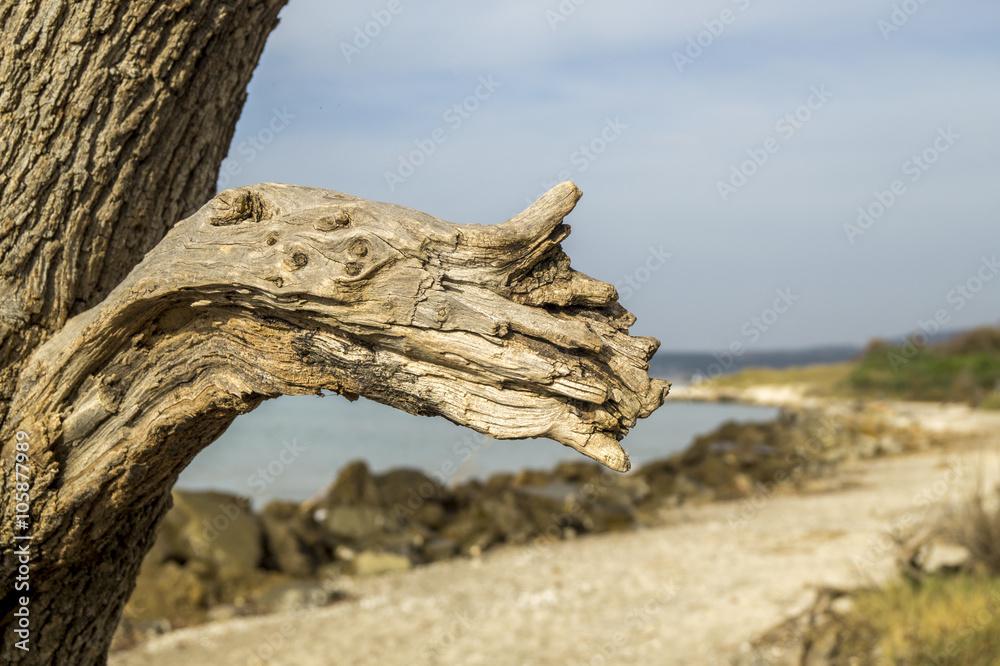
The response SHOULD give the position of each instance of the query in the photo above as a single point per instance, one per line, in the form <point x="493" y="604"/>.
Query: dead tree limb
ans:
<point x="280" y="290"/>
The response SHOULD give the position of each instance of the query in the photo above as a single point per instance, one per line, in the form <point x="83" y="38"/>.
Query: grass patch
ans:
<point x="963" y="369"/>
<point x="928" y="374"/>
<point x="934" y="618"/>
<point x="940" y="620"/>
<point x="821" y="379"/>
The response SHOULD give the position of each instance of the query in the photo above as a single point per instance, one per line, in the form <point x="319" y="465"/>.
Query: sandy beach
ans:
<point x="698" y="589"/>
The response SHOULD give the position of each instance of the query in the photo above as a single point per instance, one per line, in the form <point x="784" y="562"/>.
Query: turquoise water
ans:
<point x="292" y="447"/>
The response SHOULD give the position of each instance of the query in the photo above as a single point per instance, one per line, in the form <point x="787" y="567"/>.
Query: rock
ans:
<point x="374" y="563"/>
<point x="431" y="515"/>
<point x="479" y="542"/>
<point x="162" y="550"/>
<point x="496" y="483"/>
<point x="578" y="471"/>
<point x="408" y="489"/>
<point x="659" y="477"/>
<point x="532" y="477"/>
<point x="440" y="549"/>
<point x="552" y="506"/>
<point x="213" y="527"/>
<point x="606" y="517"/>
<point x="428" y="514"/>
<point x="317" y="542"/>
<point x="169" y="591"/>
<point x="333" y="572"/>
<point x="472" y="531"/>
<point x="743" y="484"/>
<point x="624" y="488"/>
<point x="943" y="556"/>
<point x="223" y="612"/>
<point x="407" y="542"/>
<point x="129" y="633"/>
<point x="284" y="548"/>
<point x="467" y="492"/>
<point x="293" y="596"/>
<point x="353" y="486"/>
<point x="239" y="587"/>
<point x="359" y="524"/>
<point x="506" y="517"/>
<point x="842" y="605"/>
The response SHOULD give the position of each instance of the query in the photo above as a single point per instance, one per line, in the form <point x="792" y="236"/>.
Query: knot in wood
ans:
<point x="339" y="220"/>
<point x="359" y="248"/>
<point x="246" y="206"/>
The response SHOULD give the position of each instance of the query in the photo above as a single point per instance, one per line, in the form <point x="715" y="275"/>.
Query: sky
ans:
<point x="771" y="175"/>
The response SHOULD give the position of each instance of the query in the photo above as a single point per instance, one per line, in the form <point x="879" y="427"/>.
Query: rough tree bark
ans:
<point x="265" y="290"/>
<point x="114" y="118"/>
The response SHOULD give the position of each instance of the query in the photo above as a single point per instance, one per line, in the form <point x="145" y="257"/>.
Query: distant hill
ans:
<point x="681" y="366"/>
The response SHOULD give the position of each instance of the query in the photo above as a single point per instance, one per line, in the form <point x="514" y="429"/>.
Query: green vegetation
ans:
<point x="936" y="618"/>
<point x="821" y="379"/>
<point x="940" y="620"/>
<point x="964" y="369"/>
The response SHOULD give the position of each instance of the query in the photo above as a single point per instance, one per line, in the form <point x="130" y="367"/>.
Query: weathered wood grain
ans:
<point x="275" y="290"/>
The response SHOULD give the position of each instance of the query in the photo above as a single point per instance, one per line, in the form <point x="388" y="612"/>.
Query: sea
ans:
<point x="292" y="447"/>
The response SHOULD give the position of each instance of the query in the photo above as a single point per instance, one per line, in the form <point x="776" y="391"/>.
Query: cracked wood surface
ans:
<point x="114" y="118"/>
<point x="275" y="290"/>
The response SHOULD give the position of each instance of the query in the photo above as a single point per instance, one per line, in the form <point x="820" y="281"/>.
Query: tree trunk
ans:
<point x="263" y="291"/>
<point x="114" y="118"/>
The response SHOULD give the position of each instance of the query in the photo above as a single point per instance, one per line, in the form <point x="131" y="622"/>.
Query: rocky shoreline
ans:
<point x="216" y="558"/>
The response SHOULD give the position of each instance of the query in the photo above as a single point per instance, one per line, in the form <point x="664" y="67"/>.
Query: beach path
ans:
<point x="694" y="591"/>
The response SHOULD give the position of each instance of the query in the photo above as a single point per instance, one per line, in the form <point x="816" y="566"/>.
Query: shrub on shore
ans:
<point x="963" y="369"/>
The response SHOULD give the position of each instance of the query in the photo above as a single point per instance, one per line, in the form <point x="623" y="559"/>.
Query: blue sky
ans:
<point x="659" y="139"/>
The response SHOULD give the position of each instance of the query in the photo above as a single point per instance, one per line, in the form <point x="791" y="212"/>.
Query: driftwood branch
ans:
<point x="275" y="289"/>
